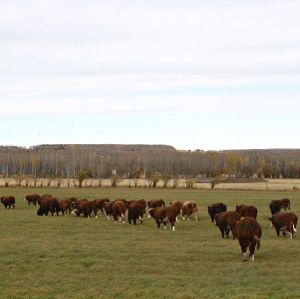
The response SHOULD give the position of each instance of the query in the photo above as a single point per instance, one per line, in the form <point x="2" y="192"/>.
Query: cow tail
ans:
<point x="256" y="238"/>
<point x="257" y="242"/>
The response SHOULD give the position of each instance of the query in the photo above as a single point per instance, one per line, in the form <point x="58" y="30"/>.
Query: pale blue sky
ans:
<point x="192" y="74"/>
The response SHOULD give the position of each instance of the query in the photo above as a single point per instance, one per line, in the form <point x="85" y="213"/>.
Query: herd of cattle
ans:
<point x="242" y="222"/>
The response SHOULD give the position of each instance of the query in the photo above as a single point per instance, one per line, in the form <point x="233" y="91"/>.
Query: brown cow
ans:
<point x="248" y="233"/>
<point x="159" y="214"/>
<point x="43" y="197"/>
<point x="216" y="208"/>
<point x="140" y="201"/>
<point x="189" y="209"/>
<point x="285" y="222"/>
<point x="100" y="203"/>
<point x="65" y="206"/>
<point x="172" y="214"/>
<point x="226" y="222"/>
<point x="8" y="201"/>
<point x="164" y="215"/>
<point x="48" y="204"/>
<point x="177" y="204"/>
<point x="108" y="208"/>
<point x="119" y="209"/>
<point x="123" y="200"/>
<point x="136" y="210"/>
<point x="86" y="207"/>
<point x="154" y="203"/>
<point x="247" y="211"/>
<point x="32" y="198"/>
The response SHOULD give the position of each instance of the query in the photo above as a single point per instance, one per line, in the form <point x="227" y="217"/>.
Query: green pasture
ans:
<point x="70" y="257"/>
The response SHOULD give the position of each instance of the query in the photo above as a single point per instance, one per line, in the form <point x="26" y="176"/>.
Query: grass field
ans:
<point x="69" y="257"/>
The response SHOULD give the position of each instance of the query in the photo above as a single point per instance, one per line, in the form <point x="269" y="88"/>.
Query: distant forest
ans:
<point x="147" y="161"/>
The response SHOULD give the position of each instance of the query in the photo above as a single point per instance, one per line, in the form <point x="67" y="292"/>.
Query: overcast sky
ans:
<point x="192" y="74"/>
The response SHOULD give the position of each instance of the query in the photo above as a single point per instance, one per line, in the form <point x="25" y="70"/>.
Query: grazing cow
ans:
<point x="8" y="201"/>
<point x="65" y="206"/>
<point x="136" y="210"/>
<point x="123" y="200"/>
<point x="164" y="215"/>
<point x="285" y="222"/>
<point x="189" y="209"/>
<point x="159" y="214"/>
<point x="100" y="203"/>
<point x="48" y="204"/>
<point x="32" y="198"/>
<point x="85" y="207"/>
<point x="226" y="222"/>
<point x="154" y="203"/>
<point x="248" y="233"/>
<point x="216" y="208"/>
<point x="119" y="209"/>
<point x="43" y="197"/>
<point x="172" y="214"/>
<point x="247" y="211"/>
<point x="177" y="205"/>
<point x="108" y="208"/>
<point x="140" y="201"/>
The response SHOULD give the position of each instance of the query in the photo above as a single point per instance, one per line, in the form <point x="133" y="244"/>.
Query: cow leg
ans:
<point x="227" y="231"/>
<point x="165" y="224"/>
<point x="244" y="249"/>
<point x="222" y="231"/>
<point x="252" y="249"/>
<point x="158" y="223"/>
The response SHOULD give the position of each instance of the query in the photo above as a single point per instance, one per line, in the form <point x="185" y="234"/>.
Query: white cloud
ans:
<point x="162" y="57"/>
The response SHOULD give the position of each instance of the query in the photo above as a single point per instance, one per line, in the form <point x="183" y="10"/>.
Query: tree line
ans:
<point x="148" y="161"/>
